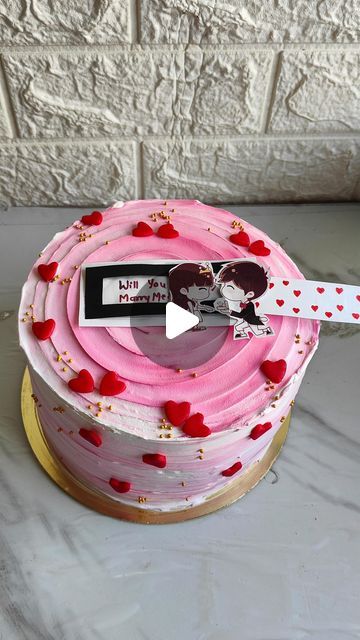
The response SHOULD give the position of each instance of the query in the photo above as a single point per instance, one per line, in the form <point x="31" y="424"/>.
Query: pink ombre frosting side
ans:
<point x="229" y="390"/>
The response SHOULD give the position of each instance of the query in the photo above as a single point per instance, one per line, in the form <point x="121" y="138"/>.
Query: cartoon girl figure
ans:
<point x="189" y="284"/>
<point x="240" y="284"/>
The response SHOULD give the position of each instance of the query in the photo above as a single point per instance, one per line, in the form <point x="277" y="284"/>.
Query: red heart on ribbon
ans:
<point x="259" y="430"/>
<point x="92" y="436"/>
<point x="111" y="384"/>
<point x="95" y="218"/>
<point x="274" y="370"/>
<point x="142" y="230"/>
<point x="177" y="412"/>
<point x="84" y="383"/>
<point x="231" y="470"/>
<point x="43" y="330"/>
<point x="340" y="307"/>
<point x="241" y="239"/>
<point x="120" y="486"/>
<point x="320" y="289"/>
<point x="258" y="248"/>
<point x="155" y="459"/>
<point x="167" y="231"/>
<point x="48" y="271"/>
<point x="328" y="314"/>
<point x="297" y="293"/>
<point x="286" y="282"/>
<point x="280" y="303"/>
<point x="195" y="427"/>
<point x="356" y="316"/>
<point x="339" y="290"/>
<point x="314" y="307"/>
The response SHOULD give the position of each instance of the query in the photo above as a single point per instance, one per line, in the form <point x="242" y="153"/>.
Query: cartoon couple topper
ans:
<point x="233" y="292"/>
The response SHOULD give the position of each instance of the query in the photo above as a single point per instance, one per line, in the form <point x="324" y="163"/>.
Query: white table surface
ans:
<point x="281" y="564"/>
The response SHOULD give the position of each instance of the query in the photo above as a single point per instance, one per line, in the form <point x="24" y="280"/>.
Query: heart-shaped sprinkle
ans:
<point x="167" y="231"/>
<point x="231" y="470"/>
<point x="177" y="412"/>
<point x="257" y="304"/>
<point x="339" y="290"/>
<point x="271" y="285"/>
<point x="274" y="370"/>
<point x="155" y="459"/>
<point x="314" y="307"/>
<point x="356" y="316"/>
<point x="142" y="230"/>
<point x="286" y="282"/>
<point x="84" y="383"/>
<point x="340" y="307"/>
<point x="241" y="239"/>
<point x="296" y="309"/>
<point x="195" y="427"/>
<point x="48" y="271"/>
<point x="328" y="314"/>
<point x="120" y="486"/>
<point x="258" y="248"/>
<point x="296" y="292"/>
<point x="92" y="436"/>
<point x="111" y="384"/>
<point x="320" y="289"/>
<point x="43" y="330"/>
<point x="95" y="218"/>
<point x="259" y="430"/>
<point x="358" y="298"/>
<point x="280" y="303"/>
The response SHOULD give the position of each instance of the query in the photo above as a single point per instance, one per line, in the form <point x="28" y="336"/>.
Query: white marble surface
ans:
<point x="281" y="564"/>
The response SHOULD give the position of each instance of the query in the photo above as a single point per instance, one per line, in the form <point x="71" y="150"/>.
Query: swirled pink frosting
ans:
<point x="229" y="389"/>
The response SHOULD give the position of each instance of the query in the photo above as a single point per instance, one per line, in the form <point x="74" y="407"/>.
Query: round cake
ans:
<point x="158" y="438"/>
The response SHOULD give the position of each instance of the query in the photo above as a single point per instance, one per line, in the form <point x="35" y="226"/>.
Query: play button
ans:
<point x="178" y="320"/>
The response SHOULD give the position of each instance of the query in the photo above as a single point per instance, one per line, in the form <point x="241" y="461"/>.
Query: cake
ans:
<point x="148" y="436"/>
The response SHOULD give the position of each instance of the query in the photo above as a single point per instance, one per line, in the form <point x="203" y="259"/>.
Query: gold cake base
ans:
<point x="106" y="505"/>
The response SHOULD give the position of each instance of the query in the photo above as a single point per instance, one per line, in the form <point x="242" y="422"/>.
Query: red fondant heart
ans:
<point x="328" y="314"/>
<point x="257" y="304"/>
<point x="92" y="436"/>
<point x="356" y="316"/>
<point x="177" y="412"/>
<point x="320" y="289"/>
<point x="286" y="282"/>
<point x="297" y="293"/>
<point x="358" y="298"/>
<point x="271" y="285"/>
<point x="84" y="383"/>
<point x="241" y="239"/>
<point x="274" y="370"/>
<point x="111" y="384"/>
<point x="120" y="486"/>
<point x="340" y="307"/>
<point x="48" y="271"/>
<point x="43" y="330"/>
<point x="296" y="309"/>
<point x="195" y="427"/>
<point x="142" y="230"/>
<point x="95" y="218"/>
<point x="259" y="430"/>
<point x="280" y="303"/>
<point x="231" y="470"/>
<point x="314" y="307"/>
<point x="339" y="290"/>
<point x="258" y="248"/>
<point x="167" y="231"/>
<point x="155" y="459"/>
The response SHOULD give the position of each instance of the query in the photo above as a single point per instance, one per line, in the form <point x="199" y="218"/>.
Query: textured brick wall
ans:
<point x="224" y="100"/>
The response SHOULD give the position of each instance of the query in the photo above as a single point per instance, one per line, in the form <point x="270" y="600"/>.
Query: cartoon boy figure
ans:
<point x="190" y="283"/>
<point x="241" y="283"/>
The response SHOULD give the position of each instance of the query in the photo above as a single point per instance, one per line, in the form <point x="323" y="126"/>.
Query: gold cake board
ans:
<point x="107" y="506"/>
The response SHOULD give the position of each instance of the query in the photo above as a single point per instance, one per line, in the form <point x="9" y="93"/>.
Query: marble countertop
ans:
<point x="281" y="564"/>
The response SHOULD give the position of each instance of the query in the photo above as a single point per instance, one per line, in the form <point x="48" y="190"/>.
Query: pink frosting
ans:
<point x="229" y="390"/>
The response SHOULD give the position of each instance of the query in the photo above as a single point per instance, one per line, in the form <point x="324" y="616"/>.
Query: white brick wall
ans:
<point x="225" y="100"/>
